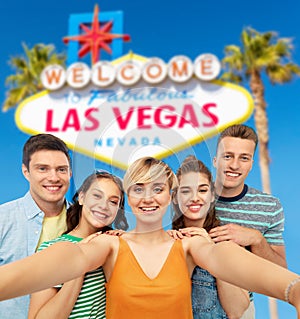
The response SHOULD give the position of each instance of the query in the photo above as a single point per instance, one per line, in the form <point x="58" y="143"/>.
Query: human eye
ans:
<point x="227" y="156"/>
<point x="114" y="202"/>
<point x="246" y="158"/>
<point x="97" y="195"/>
<point x="185" y="191"/>
<point x="138" y="189"/>
<point x="203" y="190"/>
<point x="42" y="169"/>
<point x="63" y="170"/>
<point x="157" y="189"/>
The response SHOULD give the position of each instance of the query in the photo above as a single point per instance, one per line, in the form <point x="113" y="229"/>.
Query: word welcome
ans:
<point x="179" y="69"/>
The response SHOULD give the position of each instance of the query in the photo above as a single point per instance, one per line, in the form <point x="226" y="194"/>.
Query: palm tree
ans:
<point x="261" y="53"/>
<point x="26" y="80"/>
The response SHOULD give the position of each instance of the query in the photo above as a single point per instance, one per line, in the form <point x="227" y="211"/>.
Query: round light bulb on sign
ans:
<point x="154" y="71"/>
<point x="128" y="73"/>
<point x="78" y="75"/>
<point x="53" y="77"/>
<point x="207" y="67"/>
<point x="180" y="69"/>
<point x="103" y="74"/>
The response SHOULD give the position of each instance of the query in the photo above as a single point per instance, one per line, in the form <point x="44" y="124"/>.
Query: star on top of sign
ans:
<point x="95" y="38"/>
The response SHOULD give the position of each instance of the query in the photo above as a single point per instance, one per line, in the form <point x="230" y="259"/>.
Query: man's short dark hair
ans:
<point x="43" y="142"/>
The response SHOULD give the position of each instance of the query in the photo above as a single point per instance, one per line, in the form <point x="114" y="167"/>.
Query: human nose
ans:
<point x="195" y="196"/>
<point x="53" y="175"/>
<point x="234" y="163"/>
<point x="103" y="203"/>
<point x="148" y="195"/>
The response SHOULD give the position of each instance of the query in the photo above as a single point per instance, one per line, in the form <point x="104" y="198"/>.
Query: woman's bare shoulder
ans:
<point x="101" y="241"/>
<point x="105" y="238"/>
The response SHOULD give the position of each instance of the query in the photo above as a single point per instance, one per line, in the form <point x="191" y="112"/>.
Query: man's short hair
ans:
<point x="43" y="142"/>
<point x="239" y="131"/>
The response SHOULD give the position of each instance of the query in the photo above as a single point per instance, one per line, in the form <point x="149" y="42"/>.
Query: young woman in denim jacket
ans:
<point x="194" y="214"/>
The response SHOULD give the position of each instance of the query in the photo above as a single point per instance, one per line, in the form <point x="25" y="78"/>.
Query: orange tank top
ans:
<point x="131" y="294"/>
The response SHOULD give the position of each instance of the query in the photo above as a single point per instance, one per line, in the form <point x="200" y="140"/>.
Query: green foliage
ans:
<point x="25" y="80"/>
<point x="260" y="52"/>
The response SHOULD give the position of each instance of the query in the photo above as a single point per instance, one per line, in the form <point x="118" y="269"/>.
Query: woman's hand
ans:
<point x="195" y="231"/>
<point x="115" y="232"/>
<point x="90" y="237"/>
<point x="189" y="232"/>
<point x="175" y="234"/>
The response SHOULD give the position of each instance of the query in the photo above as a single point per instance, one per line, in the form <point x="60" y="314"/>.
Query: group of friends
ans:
<point x="76" y="260"/>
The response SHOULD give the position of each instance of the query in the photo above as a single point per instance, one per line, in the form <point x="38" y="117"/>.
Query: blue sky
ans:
<point x="165" y="29"/>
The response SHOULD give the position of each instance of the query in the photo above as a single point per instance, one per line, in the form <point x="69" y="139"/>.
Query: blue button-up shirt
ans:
<point x="20" y="229"/>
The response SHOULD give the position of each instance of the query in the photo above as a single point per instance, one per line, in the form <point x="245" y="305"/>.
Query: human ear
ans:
<point x="252" y="161"/>
<point x="80" y="198"/>
<point x="174" y="197"/>
<point x="213" y="197"/>
<point x="215" y="162"/>
<point x="25" y="171"/>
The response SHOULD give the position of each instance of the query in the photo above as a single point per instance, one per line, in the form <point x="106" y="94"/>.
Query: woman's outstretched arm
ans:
<point x="226" y="291"/>
<point x="233" y="264"/>
<point x="54" y="265"/>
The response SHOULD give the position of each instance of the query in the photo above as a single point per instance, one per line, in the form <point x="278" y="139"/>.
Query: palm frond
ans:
<point x="27" y="69"/>
<point x="231" y="77"/>
<point x="260" y="52"/>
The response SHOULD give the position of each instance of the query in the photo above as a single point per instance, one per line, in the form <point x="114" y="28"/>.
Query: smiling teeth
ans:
<point x="148" y="209"/>
<point x="232" y="174"/>
<point x="100" y="215"/>
<point x="52" y="188"/>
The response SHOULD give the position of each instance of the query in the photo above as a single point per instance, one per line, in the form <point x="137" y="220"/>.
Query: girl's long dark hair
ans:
<point x="192" y="164"/>
<point x="75" y="210"/>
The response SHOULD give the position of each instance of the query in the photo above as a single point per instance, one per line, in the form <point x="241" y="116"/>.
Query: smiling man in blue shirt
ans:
<point x="38" y="216"/>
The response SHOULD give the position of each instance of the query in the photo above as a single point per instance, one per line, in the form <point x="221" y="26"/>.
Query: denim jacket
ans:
<point x="205" y="300"/>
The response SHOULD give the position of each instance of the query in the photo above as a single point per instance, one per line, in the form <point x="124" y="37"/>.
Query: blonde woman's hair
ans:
<point x="146" y="170"/>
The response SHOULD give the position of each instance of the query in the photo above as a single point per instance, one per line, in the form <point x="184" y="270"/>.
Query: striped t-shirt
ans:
<point x="91" y="301"/>
<point x="254" y="209"/>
